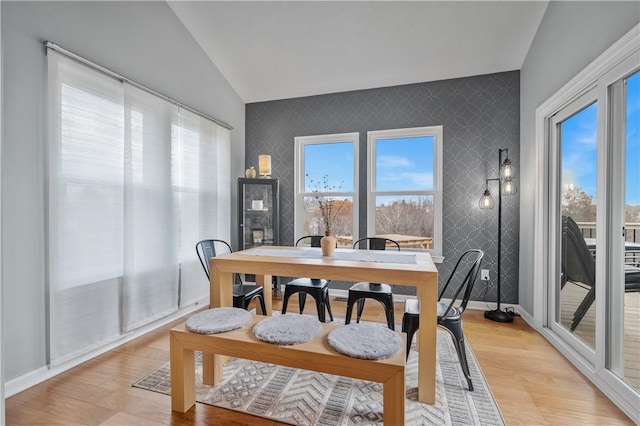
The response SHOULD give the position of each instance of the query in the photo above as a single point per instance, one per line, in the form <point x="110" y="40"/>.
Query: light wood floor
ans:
<point x="533" y="384"/>
<point x="570" y="298"/>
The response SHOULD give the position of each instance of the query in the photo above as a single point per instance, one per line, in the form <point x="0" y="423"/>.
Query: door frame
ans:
<point x="620" y="393"/>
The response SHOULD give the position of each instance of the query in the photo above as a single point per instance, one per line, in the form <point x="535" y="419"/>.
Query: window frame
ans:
<point x="429" y="131"/>
<point x="300" y="142"/>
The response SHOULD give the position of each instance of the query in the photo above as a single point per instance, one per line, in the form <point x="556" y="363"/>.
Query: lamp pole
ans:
<point x="498" y="314"/>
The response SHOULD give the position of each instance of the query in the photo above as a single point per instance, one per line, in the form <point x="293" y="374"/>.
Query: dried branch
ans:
<point x="329" y="206"/>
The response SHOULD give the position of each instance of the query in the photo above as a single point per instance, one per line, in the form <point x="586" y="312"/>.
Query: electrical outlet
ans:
<point x="484" y="274"/>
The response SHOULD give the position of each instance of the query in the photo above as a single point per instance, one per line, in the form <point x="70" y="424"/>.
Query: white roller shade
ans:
<point x="86" y="224"/>
<point x="201" y="180"/>
<point x="134" y="182"/>
<point x="151" y="228"/>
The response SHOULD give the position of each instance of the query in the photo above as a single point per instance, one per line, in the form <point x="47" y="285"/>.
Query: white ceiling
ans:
<point x="271" y="50"/>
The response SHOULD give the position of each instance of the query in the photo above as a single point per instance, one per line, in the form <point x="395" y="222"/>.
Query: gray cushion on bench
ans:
<point x="365" y="341"/>
<point x="218" y="320"/>
<point x="288" y="329"/>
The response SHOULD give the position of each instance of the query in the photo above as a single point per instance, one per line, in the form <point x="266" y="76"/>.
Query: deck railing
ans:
<point x="632" y="230"/>
<point x="632" y="252"/>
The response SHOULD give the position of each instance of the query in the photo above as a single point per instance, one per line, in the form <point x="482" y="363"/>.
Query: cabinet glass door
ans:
<point x="258" y="211"/>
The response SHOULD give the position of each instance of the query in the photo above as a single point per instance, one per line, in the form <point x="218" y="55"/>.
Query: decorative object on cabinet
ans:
<point x="264" y="166"/>
<point x="258" y="236"/>
<point x="250" y="172"/>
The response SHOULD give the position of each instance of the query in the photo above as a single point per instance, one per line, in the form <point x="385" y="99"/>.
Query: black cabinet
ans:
<point x="258" y="215"/>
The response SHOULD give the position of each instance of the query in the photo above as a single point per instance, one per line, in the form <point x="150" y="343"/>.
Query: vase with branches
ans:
<point x="329" y="206"/>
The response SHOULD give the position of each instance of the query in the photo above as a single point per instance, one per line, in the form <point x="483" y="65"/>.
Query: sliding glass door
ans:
<point x="593" y="295"/>
<point x="574" y="218"/>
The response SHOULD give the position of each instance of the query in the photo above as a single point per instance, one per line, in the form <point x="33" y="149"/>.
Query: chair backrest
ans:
<point x="577" y="261"/>
<point x="377" y="243"/>
<point x="312" y="240"/>
<point x="465" y="274"/>
<point x="207" y="249"/>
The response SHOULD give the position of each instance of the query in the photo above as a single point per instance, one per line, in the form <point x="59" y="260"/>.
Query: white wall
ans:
<point x="571" y="35"/>
<point x="143" y="41"/>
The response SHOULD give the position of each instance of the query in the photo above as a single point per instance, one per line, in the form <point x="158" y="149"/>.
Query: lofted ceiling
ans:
<point x="271" y="50"/>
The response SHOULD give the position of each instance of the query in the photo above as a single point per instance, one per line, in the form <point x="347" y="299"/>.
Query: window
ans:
<point x="405" y="186"/>
<point x="134" y="182"/>
<point x="326" y="172"/>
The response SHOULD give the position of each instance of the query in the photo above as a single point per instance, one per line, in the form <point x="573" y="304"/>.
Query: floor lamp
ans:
<point x="506" y="186"/>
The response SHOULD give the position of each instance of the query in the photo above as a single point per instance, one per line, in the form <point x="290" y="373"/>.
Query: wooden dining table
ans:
<point x="415" y="269"/>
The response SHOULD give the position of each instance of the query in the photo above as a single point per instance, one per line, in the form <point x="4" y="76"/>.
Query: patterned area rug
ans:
<point x="301" y="397"/>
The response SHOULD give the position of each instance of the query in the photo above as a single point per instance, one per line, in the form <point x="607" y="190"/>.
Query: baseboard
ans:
<point x="400" y="298"/>
<point x="527" y="318"/>
<point x="32" y="378"/>
<point x="26" y="381"/>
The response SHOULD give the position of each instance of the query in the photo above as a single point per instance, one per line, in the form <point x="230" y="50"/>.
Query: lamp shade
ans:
<point x="509" y="187"/>
<point x="264" y="165"/>
<point x="486" y="201"/>
<point x="507" y="169"/>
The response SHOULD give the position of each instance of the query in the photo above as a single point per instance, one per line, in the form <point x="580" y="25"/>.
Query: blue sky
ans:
<point x="633" y="139"/>
<point x="334" y="160"/>
<point x="579" y="146"/>
<point x="579" y="150"/>
<point x="402" y="164"/>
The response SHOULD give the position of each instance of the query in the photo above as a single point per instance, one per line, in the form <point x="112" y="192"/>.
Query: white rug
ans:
<point x="301" y="397"/>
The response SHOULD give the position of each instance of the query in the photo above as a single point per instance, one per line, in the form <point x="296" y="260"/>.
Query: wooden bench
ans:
<point x="315" y="355"/>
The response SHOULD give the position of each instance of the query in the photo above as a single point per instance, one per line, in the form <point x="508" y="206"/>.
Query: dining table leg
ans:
<point x="266" y="281"/>
<point x="428" y="297"/>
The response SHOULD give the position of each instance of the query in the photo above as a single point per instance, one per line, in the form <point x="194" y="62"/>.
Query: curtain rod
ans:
<point x="117" y="76"/>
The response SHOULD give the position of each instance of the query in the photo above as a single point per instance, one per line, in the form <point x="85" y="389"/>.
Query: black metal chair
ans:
<point x="579" y="266"/>
<point x="383" y="293"/>
<point x="243" y="294"/>
<point x="318" y="288"/>
<point x="449" y="315"/>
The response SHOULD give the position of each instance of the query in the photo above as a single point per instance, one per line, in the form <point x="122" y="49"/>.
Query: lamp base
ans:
<point x="498" y="316"/>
